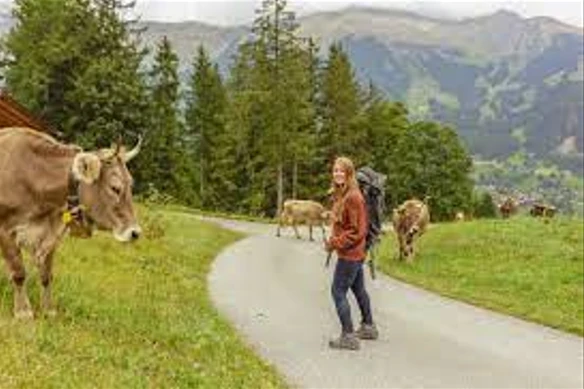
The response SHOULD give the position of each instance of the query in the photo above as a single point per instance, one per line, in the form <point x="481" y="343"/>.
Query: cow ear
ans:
<point x="86" y="167"/>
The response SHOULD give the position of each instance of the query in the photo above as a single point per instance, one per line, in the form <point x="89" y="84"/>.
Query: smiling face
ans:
<point x="339" y="174"/>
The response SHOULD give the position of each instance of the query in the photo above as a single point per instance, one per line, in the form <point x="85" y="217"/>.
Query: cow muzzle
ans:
<point x="130" y="234"/>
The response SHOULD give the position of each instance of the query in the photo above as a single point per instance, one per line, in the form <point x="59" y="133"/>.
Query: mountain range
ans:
<point x="512" y="87"/>
<point x="507" y="84"/>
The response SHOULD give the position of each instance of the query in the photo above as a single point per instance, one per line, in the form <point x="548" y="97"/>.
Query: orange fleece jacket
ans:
<point x="349" y="232"/>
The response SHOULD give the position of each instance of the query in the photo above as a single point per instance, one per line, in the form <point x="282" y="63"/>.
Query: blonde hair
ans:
<point x="339" y="192"/>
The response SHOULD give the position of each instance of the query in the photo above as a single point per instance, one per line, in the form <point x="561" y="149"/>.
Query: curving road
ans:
<point x="276" y="293"/>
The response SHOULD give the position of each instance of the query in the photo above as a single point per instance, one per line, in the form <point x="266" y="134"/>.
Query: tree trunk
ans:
<point x="280" y="187"/>
<point x="295" y="181"/>
<point x="201" y="182"/>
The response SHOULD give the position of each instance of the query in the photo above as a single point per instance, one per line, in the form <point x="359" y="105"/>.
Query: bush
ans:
<point x="483" y="205"/>
<point x="153" y="197"/>
<point x="151" y="220"/>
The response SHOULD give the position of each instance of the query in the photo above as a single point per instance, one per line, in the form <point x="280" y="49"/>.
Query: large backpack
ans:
<point x="372" y="185"/>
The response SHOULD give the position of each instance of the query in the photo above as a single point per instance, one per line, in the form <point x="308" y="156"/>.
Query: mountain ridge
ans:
<point x="486" y="75"/>
<point x="512" y="87"/>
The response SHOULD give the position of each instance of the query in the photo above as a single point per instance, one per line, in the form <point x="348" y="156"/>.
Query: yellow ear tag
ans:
<point x="67" y="217"/>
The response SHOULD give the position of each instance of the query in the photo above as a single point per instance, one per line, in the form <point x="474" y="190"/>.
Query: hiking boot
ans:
<point x="367" y="331"/>
<point x="345" y="341"/>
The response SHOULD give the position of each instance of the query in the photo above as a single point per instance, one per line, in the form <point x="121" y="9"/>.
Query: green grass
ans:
<point x="131" y="316"/>
<point x="519" y="266"/>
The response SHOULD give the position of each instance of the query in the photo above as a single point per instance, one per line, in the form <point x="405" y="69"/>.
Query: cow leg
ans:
<point x="310" y="232"/>
<point x="410" y="254"/>
<point x="409" y="250"/>
<point x="296" y="230"/>
<point x="278" y="229"/>
<point x="403" y="253"/>
<point x="46" y="274"/>
<point x="44" y="254"/>
<point x="12" y="255"/>
<point x="323" y="233"/>
<point x="400" y="242"/>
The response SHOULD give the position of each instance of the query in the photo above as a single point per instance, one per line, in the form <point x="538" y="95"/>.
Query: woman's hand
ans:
<point x="328" y="246"/>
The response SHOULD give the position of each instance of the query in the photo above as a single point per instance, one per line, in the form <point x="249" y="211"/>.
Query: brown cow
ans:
<point x="459" y="216"/>
<point x="542" y="210"/>
<point x="410" y="221"/>
<point x="48" y="188"/>
<point x="508" y="207"/>
<point x="307" y="212"/>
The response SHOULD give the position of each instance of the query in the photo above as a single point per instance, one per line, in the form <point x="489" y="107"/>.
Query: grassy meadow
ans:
<point x="520" y="266"/>
<point x="139" y="316"/>
<point x="131" y="316"/>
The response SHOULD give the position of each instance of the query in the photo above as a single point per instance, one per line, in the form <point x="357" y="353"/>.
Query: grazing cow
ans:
<point x="542" y="210"/>
<point x="307" y="212"/>
<point x="459" y="216"/>
<point x="410" y="221"/>
<point x="48" y="188"/>
<point x="508" y="207"/>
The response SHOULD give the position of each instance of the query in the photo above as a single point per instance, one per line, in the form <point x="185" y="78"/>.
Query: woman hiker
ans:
<point x="348" y="240"/>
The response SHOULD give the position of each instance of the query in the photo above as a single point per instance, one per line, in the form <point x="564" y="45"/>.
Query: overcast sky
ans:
<point x="227" y="12"/>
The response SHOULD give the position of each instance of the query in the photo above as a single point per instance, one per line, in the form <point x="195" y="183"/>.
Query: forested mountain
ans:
<point x="507" y="83"/>
<point x="512" y="88"/>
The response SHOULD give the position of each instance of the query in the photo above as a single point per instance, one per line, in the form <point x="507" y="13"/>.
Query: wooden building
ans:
<point x="12" y="114"/>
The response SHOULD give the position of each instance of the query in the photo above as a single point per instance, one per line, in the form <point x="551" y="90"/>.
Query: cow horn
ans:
<point x="132" y="153"/>
<point x="113" y="151"/>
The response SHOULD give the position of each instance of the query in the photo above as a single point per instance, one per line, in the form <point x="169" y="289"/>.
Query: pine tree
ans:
<point x="42" y="59"/>
<point x="205" y="120"/>
<point x="299" y="113"/>
<point x="170" y="171"/>
<point x="272" y="98"/>
<point x="81" y="71"/>
<point x="275" y="34"/>
<point x="340" y="107"/>
<point x="247" y="104"/>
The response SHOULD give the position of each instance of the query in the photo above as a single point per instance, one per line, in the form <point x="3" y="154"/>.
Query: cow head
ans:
<point x="105" y="190"/>
<point x="407" y="252"/>
<point x="408" y="249"/>
<point x="407" y="228"/>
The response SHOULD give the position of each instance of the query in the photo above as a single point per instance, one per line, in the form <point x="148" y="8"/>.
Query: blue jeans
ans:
<point x="349" y="275"/>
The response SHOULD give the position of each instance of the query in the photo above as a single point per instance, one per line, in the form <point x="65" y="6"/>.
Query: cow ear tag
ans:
<point x="67" y="217"/>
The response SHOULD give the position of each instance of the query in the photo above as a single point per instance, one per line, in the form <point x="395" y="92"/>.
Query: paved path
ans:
<point x="276" y="293"/>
